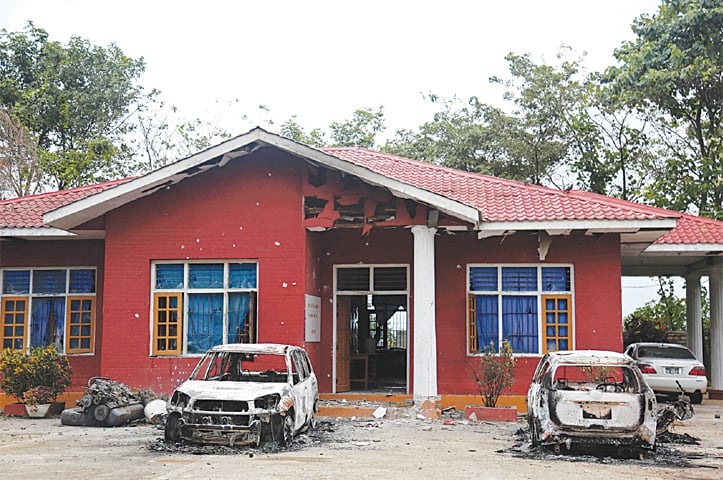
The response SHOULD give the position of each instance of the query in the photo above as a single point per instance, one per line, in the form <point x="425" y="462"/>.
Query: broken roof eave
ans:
<point x="81" y="211"/>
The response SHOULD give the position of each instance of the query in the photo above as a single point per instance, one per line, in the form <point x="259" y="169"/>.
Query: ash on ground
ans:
<point x="663" y="455"/>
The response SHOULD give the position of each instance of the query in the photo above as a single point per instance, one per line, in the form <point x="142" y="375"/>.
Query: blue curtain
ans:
<point x="48" y="322"/>
<point x="242" y="275"/>
<point x="205" y="321"/>
<point x="483" y="279"/>
<point x="16" y="282"/>
<point x="519" y="323"/>
<point x="205" y="275"/>
<point x="169" y="276"/>
<point x="556" y="279"/>
<point x="487" y="324"/>
<point x="49" y="281"/>
<point x="238" y="317"/>
<point x="82" y="281"/>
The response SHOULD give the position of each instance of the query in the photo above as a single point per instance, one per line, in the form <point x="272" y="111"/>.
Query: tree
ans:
<point x="20" y="173"/>
<point x="291" y="129"/>
<point x="673" y="72"/>
<point x="360" y="130"/>
<point x="75" y="101"/>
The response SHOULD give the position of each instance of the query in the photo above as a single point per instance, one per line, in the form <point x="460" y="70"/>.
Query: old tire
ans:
<point x="696" y="398"/>
<point x="173" y="428"/>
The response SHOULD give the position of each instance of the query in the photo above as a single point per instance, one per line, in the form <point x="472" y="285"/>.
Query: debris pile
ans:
<point x="105" y="403"/>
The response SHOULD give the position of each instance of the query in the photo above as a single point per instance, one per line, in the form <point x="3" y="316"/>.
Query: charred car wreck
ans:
<point x="245" y="394"/>
<point x="591" y="397"/>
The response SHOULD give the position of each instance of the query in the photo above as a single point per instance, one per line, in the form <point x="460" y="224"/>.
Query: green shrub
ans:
<point x="43" y="366"/>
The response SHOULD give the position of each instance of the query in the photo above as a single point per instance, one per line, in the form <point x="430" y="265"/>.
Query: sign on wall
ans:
<point x="312" y="315"/>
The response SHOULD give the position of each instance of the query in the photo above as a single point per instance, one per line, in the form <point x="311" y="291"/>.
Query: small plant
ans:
<point x="37" y="395"/>
<point x="493" y="372"/>
<point x="42" y="367"/>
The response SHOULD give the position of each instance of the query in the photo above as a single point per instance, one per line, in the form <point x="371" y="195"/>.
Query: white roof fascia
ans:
<point x="35" y="232"/>
<point x="682" y="248"/>
<point x="93" y="206"/>
<point x="592" y="226"/>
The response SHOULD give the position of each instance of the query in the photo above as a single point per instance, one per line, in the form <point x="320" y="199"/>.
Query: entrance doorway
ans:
<point x="372" y="329"/>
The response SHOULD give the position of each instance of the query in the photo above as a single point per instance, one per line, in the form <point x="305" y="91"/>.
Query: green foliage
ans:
<point x="493" y="372"/>
<point x="640" y="328"/>
<point x="360" y="130"/>
<point x="74" y="100"/>
<point x="673" y="72"/>
<point x="20" y="173"/>
<point x="43" y="366"/>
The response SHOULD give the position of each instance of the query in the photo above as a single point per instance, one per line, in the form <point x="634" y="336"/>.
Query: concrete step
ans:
<point x="363" y="405"/>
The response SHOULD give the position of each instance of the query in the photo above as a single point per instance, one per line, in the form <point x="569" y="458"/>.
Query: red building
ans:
<point x="361" y="257"/>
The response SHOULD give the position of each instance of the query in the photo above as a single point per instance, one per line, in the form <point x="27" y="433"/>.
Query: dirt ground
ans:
<point x="347" y="448"/>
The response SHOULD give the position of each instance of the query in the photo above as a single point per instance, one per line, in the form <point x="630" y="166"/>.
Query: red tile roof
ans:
<point x="27" y="212"/>
<point x="498" y="200"/>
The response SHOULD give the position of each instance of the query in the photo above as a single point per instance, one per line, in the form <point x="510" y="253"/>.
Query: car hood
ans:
<point x="230" y="390"/>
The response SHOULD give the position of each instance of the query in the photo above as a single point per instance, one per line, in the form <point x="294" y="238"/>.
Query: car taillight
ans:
<point x="697" y="371"/>
<point x="645" y="368"/>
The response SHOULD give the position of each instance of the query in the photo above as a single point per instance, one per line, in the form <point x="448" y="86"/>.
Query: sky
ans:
<point x="320" y="60"/>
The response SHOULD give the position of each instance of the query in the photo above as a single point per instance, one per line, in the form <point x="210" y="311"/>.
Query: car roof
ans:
<point x="658" y="344"/>
<point x="255" y="348"/>
<point x="602" y="357"/>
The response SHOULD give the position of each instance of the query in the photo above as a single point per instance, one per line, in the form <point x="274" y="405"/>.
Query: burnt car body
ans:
<point x="245" y="394"/>
<point x="590" y="397"/>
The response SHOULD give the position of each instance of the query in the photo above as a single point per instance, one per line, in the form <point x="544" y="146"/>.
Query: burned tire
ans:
<point x="534" y="435"/>
<point x="285" y="429"/>
<point x="173" y="428"/>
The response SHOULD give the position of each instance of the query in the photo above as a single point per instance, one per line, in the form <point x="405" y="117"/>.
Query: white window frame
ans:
<point x="186" y="291"/>
<point x="539" y="293"/>
<point x="31" y="295"/>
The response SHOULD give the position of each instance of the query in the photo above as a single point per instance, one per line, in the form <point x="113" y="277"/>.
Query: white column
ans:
<point x="694" y="320"/>
<point x="425" y="336"/>
<point x="716" y="331"/>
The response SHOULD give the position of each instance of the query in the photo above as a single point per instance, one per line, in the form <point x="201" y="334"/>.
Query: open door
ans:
<point x="343" y="342"/>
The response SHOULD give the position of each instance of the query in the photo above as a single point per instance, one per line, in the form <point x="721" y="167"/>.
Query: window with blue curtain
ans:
<point x="519" y="279"/>
<point x="205" y="321"/>
<point x="507" y="306"/>
<point x="169" y="276"/>
<point x="242" y="275"/>
<point x="49" y="281"/>
<point x="483" y="279"/>
<point x="486" y="321"/>
<point x="47" y="322"/>
<point x="16" y="282"/>
<point x="82" y="281"/>
<point x="556" y="279"/>
<point x="205" y="275"/>
<point x="220" y="302"/>
<point x="519" y="322"/>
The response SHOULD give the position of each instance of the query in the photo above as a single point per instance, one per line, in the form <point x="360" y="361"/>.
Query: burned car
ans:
<point x="591" y="397"/>
<point x="245" y="394"/>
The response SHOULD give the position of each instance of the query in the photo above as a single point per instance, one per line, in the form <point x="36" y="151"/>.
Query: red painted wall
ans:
<point x="64" y="253"/>
<point x="597" y="297"/>
<point x="249" y="209"/>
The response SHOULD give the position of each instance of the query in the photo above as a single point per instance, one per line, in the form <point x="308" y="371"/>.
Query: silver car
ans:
<point x="245" y="394"/>
<point x="668" y="367"/>
<point x="590" y="397"/>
